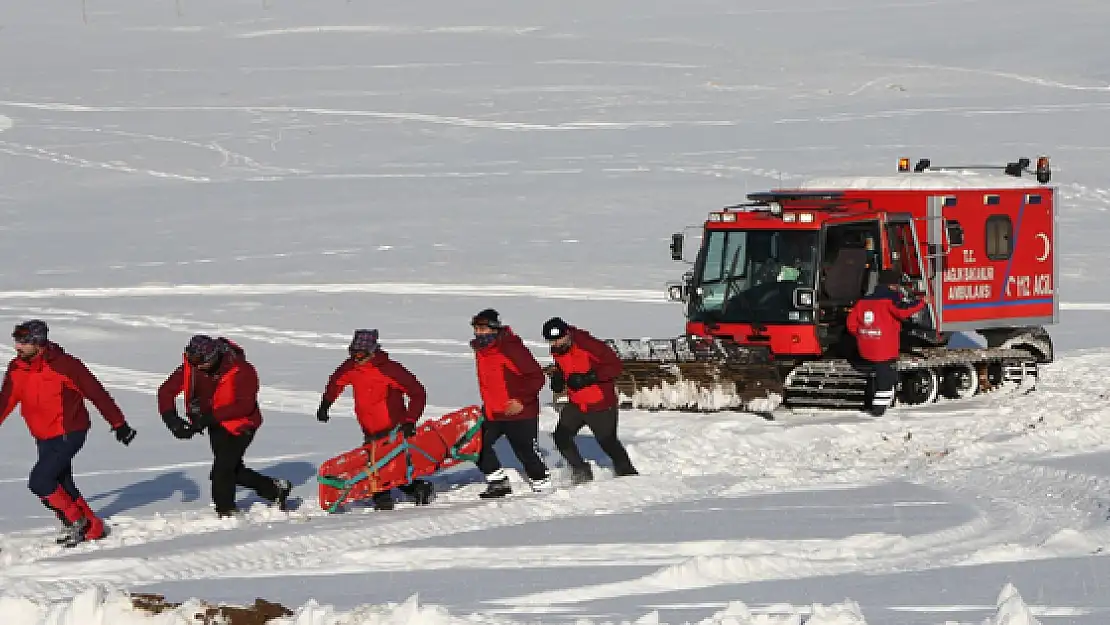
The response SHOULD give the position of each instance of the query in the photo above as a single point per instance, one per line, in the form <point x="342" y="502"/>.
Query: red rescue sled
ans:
<point x="395" y="461"/>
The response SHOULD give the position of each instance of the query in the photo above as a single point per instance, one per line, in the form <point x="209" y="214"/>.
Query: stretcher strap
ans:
<point x="406" y="448"/>
<point x="466" y="438"/>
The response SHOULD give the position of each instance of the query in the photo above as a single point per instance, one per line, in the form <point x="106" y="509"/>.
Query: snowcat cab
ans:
<point x="767" y="298"/>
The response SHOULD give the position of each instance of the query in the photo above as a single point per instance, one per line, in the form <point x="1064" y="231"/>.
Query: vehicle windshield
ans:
<point x="759" y="269"/>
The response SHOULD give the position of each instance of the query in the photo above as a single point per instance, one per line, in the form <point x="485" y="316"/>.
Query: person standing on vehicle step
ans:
<point x="221" y="396"/>
<point x="876" y="322"/>
<point x="379" y="385"/>
<point x="50" y="387"/>
<point x="509" y="381"/>
<point x="585" y="368"/>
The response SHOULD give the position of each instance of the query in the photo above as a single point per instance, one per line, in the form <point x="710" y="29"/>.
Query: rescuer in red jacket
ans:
<point x="221" y="396"/>
<point x="876" y="322"/>
<point x="510" y="381"/>
<point x="585" y="367"/>
<point x="50" y="387"/>
<point x="379" y="385"/>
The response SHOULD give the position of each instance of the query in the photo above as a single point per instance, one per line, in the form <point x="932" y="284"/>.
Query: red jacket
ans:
<point x="380" y="386"/>
<point x="50" y="389"/>
<point x="586" y="353"/>
<point x="508" y="370"/>
<point x="230" y="393"/>
<point x="876" y="322"/>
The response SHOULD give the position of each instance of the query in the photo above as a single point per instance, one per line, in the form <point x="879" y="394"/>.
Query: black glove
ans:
<point x="558" y="382"/>
<point x="177" y="426"/>
<point x="408" y="429"/>
<point x="579" y="381"/>
<point x="322" y="411"/>
<point x="124" y="433"/>
<point x="202" y="420"/>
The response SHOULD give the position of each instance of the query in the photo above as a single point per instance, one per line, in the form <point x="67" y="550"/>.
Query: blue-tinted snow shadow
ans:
<point x="139" y="494"/>
<point x="298" y="474"/>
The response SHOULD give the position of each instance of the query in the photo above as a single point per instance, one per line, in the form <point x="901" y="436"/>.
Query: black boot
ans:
<point x="626" y="470"/>
<point x="284" y="487"/>
<point x="497" y="488"/>
<point x="227" y="513"/>
<point x="581" y="475"/>
<point x="421" y="491"/>
<point x="383" y="500"/>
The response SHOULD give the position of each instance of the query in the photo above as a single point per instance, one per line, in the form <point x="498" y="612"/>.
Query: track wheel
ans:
<point x="994" y="376"/>
<point x="919" y="386"/>
<point x="959" y="381"/>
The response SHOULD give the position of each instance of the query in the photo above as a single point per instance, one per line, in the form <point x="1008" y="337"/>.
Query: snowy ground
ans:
<point x="309" y="168"/>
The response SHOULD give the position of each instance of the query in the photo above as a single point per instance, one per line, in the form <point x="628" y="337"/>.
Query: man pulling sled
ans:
<point x="396" y="452"/>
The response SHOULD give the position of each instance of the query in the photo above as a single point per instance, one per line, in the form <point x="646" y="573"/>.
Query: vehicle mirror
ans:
<point x="676" y="292"/>
<point x="676" y="246"/>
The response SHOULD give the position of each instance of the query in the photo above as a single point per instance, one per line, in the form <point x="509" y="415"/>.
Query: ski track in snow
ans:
<point x="370" y="288"/>
<point x="423" y="118"/>
<point x="391" y="29"/>
<point x="61" y="158"/>
<point x="1026" y="511"/>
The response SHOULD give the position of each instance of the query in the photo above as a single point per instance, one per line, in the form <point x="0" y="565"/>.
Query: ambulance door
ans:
<point x="904" y="251"/>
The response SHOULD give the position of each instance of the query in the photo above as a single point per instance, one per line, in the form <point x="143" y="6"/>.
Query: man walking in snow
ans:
<point x="50" y="387"/>
<point x="380" y="386"/>
<point x="509" y="381"/>
<point x="876" y="322"/>
<point x="585" y="368"/>
<point x="221" y="396"/>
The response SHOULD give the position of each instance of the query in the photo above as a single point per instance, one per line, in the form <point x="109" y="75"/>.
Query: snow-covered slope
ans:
<point x="283" y="173"/>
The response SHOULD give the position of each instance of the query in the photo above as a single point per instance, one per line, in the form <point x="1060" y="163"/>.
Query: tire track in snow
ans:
<point x="317" y="550"/>
<point x="391" y="29"/>
<point x="369" y="288"/>
<point x="61" y="158"/>
<point x="435" y="120"/>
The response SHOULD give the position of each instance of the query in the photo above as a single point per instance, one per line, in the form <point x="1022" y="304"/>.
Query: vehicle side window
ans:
<point x="1000" y="237"/>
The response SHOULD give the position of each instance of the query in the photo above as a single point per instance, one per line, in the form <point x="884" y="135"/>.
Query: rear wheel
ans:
<point x="959" y="381"/>
<point x="919" y="386"/>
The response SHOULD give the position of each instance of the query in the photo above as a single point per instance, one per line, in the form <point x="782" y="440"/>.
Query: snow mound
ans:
<point x="1011" y="609"/>
<point x="689" y="395"/>
<point x="108" y="606"/>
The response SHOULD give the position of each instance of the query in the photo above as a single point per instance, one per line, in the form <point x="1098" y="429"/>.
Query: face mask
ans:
<point x="483" y="340"/>
<point x="563" y="348"/>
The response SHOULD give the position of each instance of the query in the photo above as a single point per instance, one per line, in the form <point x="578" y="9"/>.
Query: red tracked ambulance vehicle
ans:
<point x="768" y="295"/>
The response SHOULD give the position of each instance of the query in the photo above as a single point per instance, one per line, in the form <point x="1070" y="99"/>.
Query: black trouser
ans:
<point x="408" y="489"/>
<point x="55" y="465"/>
<point x="885" y="379"/>
<point x="522" y="435"/>
<point x="228" y="469"/>
<point x="603" y="423"/>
